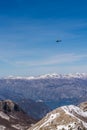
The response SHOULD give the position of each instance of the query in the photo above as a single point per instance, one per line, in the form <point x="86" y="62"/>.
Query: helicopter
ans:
<point x="58" y="40"/>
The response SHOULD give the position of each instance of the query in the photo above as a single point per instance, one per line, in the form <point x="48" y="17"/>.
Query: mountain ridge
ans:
<point x="68" y="117"/>
<point x="53" y="75"/>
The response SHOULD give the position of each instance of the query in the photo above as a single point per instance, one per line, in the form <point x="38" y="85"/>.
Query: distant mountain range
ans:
<point x="64" y="118"/>
<point x="53" y="75"/>
<point x="42" y="92"/>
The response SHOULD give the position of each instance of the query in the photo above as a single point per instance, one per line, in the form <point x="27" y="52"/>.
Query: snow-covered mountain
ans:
<point x="64" y="118"/>
<point x="53" y="75"/>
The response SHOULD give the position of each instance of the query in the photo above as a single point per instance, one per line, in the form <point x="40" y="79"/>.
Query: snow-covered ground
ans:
<point x="65" y="117"/>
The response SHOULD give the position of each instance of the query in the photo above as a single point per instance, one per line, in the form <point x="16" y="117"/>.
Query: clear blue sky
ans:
<point x="29" y="29"/>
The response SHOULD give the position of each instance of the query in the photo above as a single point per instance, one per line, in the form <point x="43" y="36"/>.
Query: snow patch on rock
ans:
<point x="4" y="116"/>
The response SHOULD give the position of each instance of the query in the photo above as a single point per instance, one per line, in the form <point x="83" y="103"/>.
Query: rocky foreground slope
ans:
<point x="64" y="118"/>
<point x="12" y="117"/>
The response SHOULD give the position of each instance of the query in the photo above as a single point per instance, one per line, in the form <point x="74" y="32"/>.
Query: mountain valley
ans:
<point x="39" y="95"/>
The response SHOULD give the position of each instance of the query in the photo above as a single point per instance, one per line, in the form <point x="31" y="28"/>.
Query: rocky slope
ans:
<point x="36" y="109"/>
<point x="12" y="117"/>
<point x="64" y="118"/>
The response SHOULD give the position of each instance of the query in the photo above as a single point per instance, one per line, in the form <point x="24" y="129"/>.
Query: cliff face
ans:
<point x="8" y="106"/>
<point x="64" y="118"/>
<point x="12" y="117"/>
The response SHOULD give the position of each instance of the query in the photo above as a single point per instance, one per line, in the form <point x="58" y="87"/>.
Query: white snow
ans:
<point x="53" y="75"/>
<point x="17" y="126"/>
<point x="4" y="116"/>
<point x="48" y="121"/>
<point x="69" y="110"/>
<point x="84" y="124"/>
<point x="19" y="77"/>
<point x="2" y="127"/>
<point x="13" y="117"/>
<point x="67" y="127"/>
<point x="74" y="109"/>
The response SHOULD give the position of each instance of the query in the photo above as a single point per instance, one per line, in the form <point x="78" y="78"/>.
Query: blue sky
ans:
<point x="28" y="34"/>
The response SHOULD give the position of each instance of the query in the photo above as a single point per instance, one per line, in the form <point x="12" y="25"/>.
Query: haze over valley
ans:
<point x="45" y="92"/>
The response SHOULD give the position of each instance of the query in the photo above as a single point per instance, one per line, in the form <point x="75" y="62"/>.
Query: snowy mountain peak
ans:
<point x="19" y="77"/>
<point x="64" y="118"/>
<point x="53" y="75"/>
<point x="77" y="75"/>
